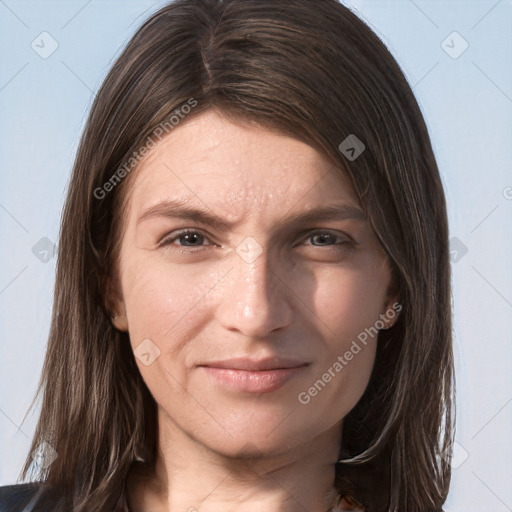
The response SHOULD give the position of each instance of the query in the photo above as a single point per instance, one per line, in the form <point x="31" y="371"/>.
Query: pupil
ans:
<point x="323" y="238"/>
<point x="188" y="237"/>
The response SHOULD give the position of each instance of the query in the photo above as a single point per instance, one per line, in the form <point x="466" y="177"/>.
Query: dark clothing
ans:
<point x="30" y="497"/>
<point x="35" y="497"/>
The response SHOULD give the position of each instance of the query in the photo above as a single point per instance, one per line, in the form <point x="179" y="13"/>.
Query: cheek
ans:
<point x="165" y="310"/>
<point x="157" y="298"/>
<point x="348" y="302"/>
<point x="166" y="307"/>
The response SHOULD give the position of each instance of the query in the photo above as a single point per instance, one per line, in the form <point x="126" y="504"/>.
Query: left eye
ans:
<point x="189" y="237"/>
<point x="324" y="238"/>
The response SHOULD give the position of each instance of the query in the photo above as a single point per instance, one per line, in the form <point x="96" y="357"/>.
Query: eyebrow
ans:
<point x="184" y="210"/>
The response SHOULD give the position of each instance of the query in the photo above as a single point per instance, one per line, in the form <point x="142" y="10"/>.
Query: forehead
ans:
<point x="235" y="167"/>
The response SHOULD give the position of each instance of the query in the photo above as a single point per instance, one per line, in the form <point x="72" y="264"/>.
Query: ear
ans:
<point x="390" y="316"/>
<point x="393" y="304"/>
<point x="115" y="304"/>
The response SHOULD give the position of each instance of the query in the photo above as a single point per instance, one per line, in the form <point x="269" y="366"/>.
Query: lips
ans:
<point x="247" y="364"/>
<point x="253" y="376"/>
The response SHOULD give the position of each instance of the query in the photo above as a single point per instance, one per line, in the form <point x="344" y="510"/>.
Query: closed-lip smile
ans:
<point x="248" y="364"/>
<point x="249" y="375"/>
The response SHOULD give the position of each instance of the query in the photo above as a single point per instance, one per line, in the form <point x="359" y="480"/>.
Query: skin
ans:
<point x="306" y="296"/>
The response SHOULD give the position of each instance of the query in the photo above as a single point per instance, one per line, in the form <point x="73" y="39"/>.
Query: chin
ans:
<point x="256" y="440"/>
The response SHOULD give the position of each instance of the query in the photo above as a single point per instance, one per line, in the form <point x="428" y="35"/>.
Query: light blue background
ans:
<point x="467" y="103"/>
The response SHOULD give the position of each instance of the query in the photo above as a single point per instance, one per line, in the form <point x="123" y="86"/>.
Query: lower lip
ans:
<point x="262" y="381"/>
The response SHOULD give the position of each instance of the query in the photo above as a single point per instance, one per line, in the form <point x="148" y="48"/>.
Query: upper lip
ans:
<point x="248" y="364"/>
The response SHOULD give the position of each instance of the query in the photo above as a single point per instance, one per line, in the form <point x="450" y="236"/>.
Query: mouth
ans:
<point x="248" y="364"/>
<point x="253" y="376"/>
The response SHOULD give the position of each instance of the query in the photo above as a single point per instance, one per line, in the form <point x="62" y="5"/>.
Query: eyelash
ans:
<point x="191" y="248"/>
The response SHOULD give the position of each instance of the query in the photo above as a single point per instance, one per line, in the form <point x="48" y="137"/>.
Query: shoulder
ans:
<point x="28" y="497"/>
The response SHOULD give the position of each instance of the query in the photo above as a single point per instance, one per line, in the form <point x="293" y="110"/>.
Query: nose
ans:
<point x="255" y="299"/>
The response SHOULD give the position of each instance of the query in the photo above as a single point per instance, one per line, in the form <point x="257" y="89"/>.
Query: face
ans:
<point x="249" y="281"/>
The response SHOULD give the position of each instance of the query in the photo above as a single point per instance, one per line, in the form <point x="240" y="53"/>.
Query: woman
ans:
<point x="252" y="302"/>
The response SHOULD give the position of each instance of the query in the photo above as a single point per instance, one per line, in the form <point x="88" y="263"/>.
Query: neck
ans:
<point x="189" y="476"/>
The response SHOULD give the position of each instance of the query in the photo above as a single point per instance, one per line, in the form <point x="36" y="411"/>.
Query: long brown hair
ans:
<point x="311" y="69"/>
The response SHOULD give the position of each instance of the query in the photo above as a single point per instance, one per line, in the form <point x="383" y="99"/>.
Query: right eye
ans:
<point x="190" y="238"/>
